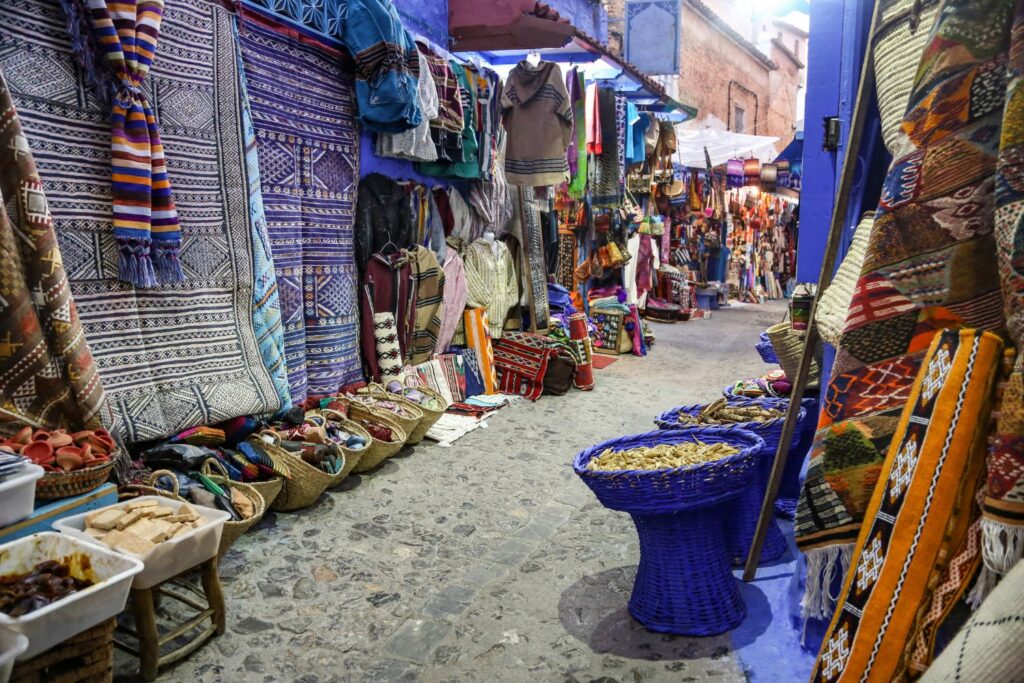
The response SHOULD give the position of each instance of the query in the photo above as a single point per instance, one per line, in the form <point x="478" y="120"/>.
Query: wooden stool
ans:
<point x="142" y="605"/>
<point x="85" y="658"/>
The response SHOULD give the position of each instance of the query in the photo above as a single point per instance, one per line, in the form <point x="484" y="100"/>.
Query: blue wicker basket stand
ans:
<point x="684" y="584"/>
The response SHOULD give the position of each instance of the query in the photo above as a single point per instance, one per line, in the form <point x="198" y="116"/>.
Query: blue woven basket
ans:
<point x="741" y="522"/>
<point x="683" y="582"/>
<point x="807" y="424"/>
<point x="765" y="349"/>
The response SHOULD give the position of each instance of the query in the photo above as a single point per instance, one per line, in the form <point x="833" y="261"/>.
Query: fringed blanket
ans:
<point x="929" y="266"/>
<point x="920" y="513"/>
<point x="302" y="100"/>
<point x="177" y="355"/>
<point x="47" y="374"/>
<point x="521" y="365"/>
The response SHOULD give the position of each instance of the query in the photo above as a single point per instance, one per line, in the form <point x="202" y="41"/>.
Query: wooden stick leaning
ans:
<point x="835" y="238"/>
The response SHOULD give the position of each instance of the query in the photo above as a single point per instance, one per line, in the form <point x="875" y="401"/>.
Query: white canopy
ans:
<point x="722" y="146"/>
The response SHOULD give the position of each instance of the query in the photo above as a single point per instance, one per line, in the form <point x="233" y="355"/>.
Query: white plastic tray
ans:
<point x="169" y="558"/>
<point x="18" y="494"/>
<point x="69" y="616"/>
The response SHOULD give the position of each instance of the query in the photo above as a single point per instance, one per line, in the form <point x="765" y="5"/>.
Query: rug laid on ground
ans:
<point x="929" y="266"/>
<point x="182" y="354"/>
<point x="47" y="374"/>
<point x="302" y="99"/>
<point x="920" y="513"/>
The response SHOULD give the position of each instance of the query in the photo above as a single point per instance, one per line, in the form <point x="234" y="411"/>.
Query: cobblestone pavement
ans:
<point x="486" y="561"/>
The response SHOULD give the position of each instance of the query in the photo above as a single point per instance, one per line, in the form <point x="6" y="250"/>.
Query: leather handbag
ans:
<point x="615" y="255"/>
<point x="582" y="271"/>
<point x="604" y="256"/>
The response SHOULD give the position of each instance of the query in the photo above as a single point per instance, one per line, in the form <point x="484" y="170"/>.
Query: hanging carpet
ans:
<point x="181" y="354"/>
<point x="302" y="99"/>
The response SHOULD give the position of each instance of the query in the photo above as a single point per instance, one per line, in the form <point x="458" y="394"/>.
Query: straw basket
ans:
<point x="352" y="458"/>
<point x="899" y="43"/>
<point x="409" y="424"/>
<point x="378" y="451"/>
<point x="129" y="491"/>
<point x="788" y="345"/>
<point x="234" y="530"/>
<point x="269" y="489"/>
<point x="430" y="416"/>
<point x="306" y="484"/>
<point x="834" y="305"/>
<point x="55" y="485"/>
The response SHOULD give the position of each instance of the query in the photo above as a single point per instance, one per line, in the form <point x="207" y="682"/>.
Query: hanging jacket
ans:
<point x="430" y="285"/>
<point x="468" y="167"/>
<point x="387" y="65"/>
<point x="538" y="118"/>
<point x="383" y="213"/>
<point x="387" y="287"/>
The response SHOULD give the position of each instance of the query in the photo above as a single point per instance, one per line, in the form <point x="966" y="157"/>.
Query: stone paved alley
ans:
<point x="487" y="561"/>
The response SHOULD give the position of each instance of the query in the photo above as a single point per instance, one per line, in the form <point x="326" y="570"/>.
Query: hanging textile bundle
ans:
<point x="769" y="177"/>
<point x="782" y="175"/>
<point x="734" y="173"/>
<point x="752" y="172"/>
<point x="145" y="219"/>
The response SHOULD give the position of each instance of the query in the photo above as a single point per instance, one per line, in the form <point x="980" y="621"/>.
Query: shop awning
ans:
<point x="721" y="146"/>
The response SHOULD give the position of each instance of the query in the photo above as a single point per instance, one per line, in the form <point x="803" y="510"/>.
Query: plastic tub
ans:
<point x="69" y="616"/>
<point x="18" y="495"/>
<point x="12" y="644"/>
<point x="169" y="558"/>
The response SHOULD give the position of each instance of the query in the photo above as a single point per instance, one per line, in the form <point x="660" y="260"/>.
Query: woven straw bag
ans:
<point x="430" y="416"/>
<point x="904" y="29"/>
<point x="409" y="422"/>
<point x="378" y="451"/>
<point x="834" y="305"/>
<point x="352" y="458"/>
<point x="306" y="483"/>
<point x="788" y="345"/>
<point x="234" y="530"/>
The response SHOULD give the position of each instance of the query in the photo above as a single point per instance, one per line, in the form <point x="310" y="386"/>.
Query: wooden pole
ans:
<point x="835" y="239"/>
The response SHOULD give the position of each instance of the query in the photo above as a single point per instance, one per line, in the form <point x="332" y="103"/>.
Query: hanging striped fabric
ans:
<point x="478" y="338"/>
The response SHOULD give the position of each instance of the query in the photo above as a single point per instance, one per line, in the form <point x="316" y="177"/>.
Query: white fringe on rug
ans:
<point x="822" y="565"/>
<point x="1002" y="546"/>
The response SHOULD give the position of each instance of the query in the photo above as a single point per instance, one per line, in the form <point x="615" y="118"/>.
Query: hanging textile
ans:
<point x="429" y="281"/>
<point x="921" y="508"/>
<point x="188" y="353"/>
<point x="387" y="287"/>
<point x="928" y="266"/>
<point x="446" y="128"/>
<point x="456" y="292"/>
<point x="467" y="166"/>
<point x="478" y="339"/>
<point x="605" y="168"/>
<point x="144" y="217"/>
<point x="1003" y="505"/>
<point x="386" y="347"/>
<point x="491" y="277"/>
<point x="415" y="144"/>
<point x="47" y="375"/>
<point x="538" y="117"/>
<point x="308" y="167"/>
<point x="577" y="152"/>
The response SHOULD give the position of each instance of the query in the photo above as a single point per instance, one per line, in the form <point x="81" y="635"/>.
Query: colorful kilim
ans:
<point x="144" y="217"/>
<point x="478" y="338"/>
<point x="579" y="335"/>
<point x="304" y="112"/>
<point x="928" y="267"/>
<point x="1003" y="506"/>
<point x="521" y="364"/>
<point x="919" y="514"/>
<point x="454" y="369"/>
<point x="389" y="355"/>
<point x="47" y="374"/>
<point x="184" y="354"/>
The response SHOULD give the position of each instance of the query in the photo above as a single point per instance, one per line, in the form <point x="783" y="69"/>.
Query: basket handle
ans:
<point x="272" y="434"/>
<point x="210" y="463"/>
<point x="154" y="480"/>
<point x="333" y="415"/>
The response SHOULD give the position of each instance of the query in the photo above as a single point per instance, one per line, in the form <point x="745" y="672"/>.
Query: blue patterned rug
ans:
<point x="303" y="106"/>
<point x="177" y="355"/>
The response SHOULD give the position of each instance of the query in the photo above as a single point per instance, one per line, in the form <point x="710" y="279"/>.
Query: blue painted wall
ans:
<point x="428" y="18"/>
<point x="586" y="15"/>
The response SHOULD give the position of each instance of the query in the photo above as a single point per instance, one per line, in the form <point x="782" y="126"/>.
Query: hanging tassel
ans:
<point x="1002" y="547"/>
<point x="822" y="565"/>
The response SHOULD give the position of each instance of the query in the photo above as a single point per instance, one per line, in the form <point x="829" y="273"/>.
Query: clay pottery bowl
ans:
<point x="38" y="452"/>
<point x="97" y="460"/>
<point x="41" y="435"/>
<point x="86" y="452"/>
<point x="99" y="444"/>
<point x="23" y="436"/>
<point x="60" y="440"/>
<point x="81" y="437"/>
<point x="67" y="460"/>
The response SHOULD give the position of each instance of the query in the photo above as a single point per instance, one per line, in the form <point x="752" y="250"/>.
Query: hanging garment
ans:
<point x="310" y="215"/>
<point x="921" y="508"/>
<point x="387" y="68"/>
<point x="388" y="350"/>
<point x="577" y="153"/>
<point x="566" y="259"/>
<point x="491" y="278"/>
<point x="929" y="266"/>
<point x="645" y="267"/>
<point x="478" y="340"/>
<point x="415" y="144"/>
<point x="538" y="118"/>
<point x="468" y="166"/>
<point x="188" y="353"/>
<point x="446" y="128"/>
<point x="430" y="284"/>
<point x="388" y="287"/>
<point x="456" y="292"/>
<point x="594" y="129"/>
<point x="145" y="220"/>
<point x="383" y="214"/>
<point x="605" y="169"/>
<point x="47" y="375"/>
